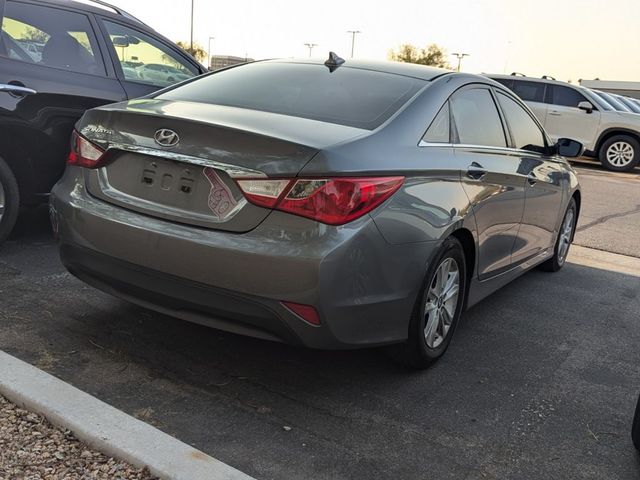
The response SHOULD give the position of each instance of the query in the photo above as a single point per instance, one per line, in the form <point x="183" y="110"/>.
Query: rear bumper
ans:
<point x="363" y="288"/>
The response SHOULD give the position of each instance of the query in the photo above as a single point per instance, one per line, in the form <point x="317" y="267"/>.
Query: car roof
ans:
<point x="99" y="7"/>
<point x="398" y="68"/>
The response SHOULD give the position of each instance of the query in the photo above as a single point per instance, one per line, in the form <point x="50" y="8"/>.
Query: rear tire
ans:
<point x="620" y="153"/>
<point x="565" y="237"/>
<point x="437" y="310"/>
<point x="635" y="429"/>
<point x="9" y="201"/>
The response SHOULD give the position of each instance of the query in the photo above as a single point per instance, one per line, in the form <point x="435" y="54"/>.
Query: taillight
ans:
<point x="84" y="153"/>
<point x="334" y="201"/>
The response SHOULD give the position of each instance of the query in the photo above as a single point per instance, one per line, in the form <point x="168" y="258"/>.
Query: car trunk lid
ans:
<point x="189" y="177"/>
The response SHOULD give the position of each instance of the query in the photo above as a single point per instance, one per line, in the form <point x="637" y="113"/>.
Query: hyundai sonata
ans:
<point x="328" y="204"/>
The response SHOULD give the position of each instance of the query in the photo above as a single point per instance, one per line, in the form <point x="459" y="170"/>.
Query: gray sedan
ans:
<point x="332" y="205"/>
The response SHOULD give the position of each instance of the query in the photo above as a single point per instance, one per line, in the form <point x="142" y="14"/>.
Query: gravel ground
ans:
<point x="31" y="448"/>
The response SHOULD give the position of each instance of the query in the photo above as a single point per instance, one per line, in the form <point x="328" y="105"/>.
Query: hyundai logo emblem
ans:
<point x="166" y="137"/>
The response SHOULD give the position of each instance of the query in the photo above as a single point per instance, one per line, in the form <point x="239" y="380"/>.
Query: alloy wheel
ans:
<point x="620" y="154"/>
<point x="566" y="232"/>
<point x="442" y="302"/>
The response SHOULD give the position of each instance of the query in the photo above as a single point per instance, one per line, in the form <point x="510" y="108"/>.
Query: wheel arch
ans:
<point x="611" y="132"/>
<point x="466" y="239"/>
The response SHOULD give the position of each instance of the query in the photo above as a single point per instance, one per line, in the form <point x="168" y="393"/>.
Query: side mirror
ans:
<point x="586" y="106"/>
<point x="120" y="42"/>
<point x="569" y="148"/>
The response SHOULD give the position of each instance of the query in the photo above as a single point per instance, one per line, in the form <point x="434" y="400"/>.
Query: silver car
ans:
<point x="332" y="205"/>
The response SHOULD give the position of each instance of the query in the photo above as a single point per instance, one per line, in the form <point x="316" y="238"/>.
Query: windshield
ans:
<point x="597" y="100"/>
<point x="347" y="96"/>
<point x="619" y="106"/>
<point x="628" y="103"/>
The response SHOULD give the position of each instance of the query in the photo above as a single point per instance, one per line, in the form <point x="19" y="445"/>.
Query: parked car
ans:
<point x="161" y="74"/>
<point x="635" y="428"/>
<point x="80" y="67"/>
<point x="334" y="205"/>
<point x="567" y="110"/>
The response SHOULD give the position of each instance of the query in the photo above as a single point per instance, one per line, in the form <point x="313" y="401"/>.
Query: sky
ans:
<point x="567" y="39"/>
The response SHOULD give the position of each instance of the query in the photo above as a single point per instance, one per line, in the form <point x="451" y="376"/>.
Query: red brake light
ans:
<point x="84" y="153"/>
<point x="334" y="201"/>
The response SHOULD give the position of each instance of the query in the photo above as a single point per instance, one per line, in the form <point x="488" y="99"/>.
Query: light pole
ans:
<point x="209" y="48"/>
<point x="310" y="47"/>
<point x="460" y="56"/>
<point x="353" y="39"/>
<point x="192" y="1"/>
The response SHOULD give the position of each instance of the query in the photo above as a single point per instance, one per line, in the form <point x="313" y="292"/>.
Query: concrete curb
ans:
<point x="615" y="262"/>
<point x="106" y="428"/>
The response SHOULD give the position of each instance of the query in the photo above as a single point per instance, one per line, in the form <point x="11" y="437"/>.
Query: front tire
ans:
<point x="565" y="237"/>
<point x="438" y="308"/>
<point x="9" y="201"/>
<point x="620" y="153"/>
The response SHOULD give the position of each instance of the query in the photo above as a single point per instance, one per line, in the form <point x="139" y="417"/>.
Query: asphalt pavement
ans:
<point x="540" y="381"/>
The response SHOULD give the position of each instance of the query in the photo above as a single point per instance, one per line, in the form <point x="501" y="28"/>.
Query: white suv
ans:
<point x="576" y="112"/>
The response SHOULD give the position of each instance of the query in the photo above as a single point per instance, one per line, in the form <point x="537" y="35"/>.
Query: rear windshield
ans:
<point x="347" y="96"/>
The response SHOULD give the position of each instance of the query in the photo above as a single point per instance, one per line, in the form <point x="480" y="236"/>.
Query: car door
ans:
<point x="144" y="63"/>
<point x="493" y="179"/>
<point x="533" y="94"/>
<point x="566" y="120"/>
<point x="545" y="176"/>
<point x="68" y="77"/>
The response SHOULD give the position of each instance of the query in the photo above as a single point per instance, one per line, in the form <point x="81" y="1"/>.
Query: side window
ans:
<point x="529" y="91"/>
<point x="438" y="132"/>
<point x="146" y="60"/>
<point x="476" y="118"/>
<point x="526" y="133"/>
<point x="566" y="96"/>
<point x="507" y="82"/>
<point x="50" y="37"/>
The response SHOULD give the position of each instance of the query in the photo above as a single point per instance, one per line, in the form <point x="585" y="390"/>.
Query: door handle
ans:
<point x="476" y="171"/>
<point x="555" y="113"/>
<point x="16" y="89"/>
<point x="532" y="179"/>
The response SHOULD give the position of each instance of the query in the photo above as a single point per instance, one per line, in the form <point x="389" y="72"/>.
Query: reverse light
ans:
<point x="84" y="153"/>
<point x="334" y="201"/>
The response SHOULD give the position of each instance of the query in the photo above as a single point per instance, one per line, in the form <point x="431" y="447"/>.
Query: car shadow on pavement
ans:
<point x="539" y="382"/>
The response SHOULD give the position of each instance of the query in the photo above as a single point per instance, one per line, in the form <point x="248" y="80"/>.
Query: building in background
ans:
<point x="628" y="89"/>
<point x="221" y="61"/>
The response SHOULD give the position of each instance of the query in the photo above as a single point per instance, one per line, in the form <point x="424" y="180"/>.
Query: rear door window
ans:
<point x="50" y="37"/>
<point x="476" y="118"/>
<point x="146" y="60"/>
<point x="529" y="91"/>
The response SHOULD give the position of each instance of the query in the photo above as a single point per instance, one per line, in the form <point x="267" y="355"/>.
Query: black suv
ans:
<point x="59" y="58"/>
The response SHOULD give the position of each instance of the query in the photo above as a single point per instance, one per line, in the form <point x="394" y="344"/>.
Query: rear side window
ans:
<point x="476" y="118"/>
<point x="566" y="96"/>
<point x="50" y="37"/>
<point x="507" y="82"/>
<point x="529" y="91"/>
<point x="524" y="130"/>
<point x="438" y="131"/>
<point x="347" y="96"/>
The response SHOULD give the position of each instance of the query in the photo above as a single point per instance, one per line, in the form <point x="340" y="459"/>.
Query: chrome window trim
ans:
<point x="481" y="147"/>
<point x="233" y="171"/>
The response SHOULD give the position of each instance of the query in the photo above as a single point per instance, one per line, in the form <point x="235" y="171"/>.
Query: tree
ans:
<point x="432" y="55"/>
<point x="34" y="35"/>
<point x="198" y="52"/>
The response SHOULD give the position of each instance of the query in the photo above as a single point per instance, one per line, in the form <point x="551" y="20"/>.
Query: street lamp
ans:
<point x="192" y="1"/>
<point x="353" y="39"/>
<point x="460" y="56"/>
<point x="209" y="49"/>
<point x="310" y="47"/>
